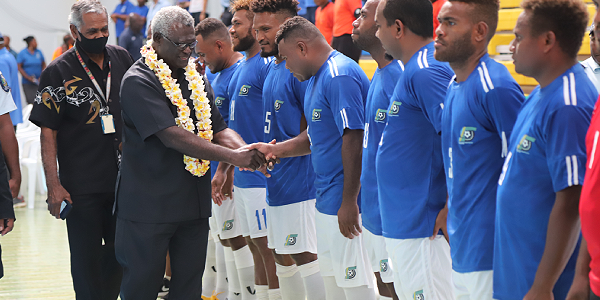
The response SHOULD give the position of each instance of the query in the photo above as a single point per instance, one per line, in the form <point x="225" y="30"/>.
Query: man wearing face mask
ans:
<point x="78" y="109"/>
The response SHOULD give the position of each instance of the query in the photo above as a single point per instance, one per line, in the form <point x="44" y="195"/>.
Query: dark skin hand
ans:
<point x="348" y="214"/>
<point x="580" y="289"/>
<point x="441" y="223"/>
<point x="56" y="192"/>
<point x="561" y="239"/>
<point x="6" y="226"/>
<point x="10" y="149"/>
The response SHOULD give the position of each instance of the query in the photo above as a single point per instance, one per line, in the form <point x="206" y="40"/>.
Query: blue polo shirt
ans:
<point x="32" y="63"/>
<point x="293" y="180"/>
<point x="334" y="100"/>
<point x="378" y="100"/>
<point x="477" y="120"/>
<point x="410" y="170"/>
<point x="10" y="70"/>
<point x="546" y="155"/>
<point x="142" y="11"/>
<point x="123" y="9"/>
<point x="245" y="109"/>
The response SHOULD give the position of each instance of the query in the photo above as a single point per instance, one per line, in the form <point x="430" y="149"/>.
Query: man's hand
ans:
<point x="441" y="223"/>
<point x="200" y="66"/>
<point x="249" y="159"/>
<point x="580" y="289"/>
<point x="15" y="186"/>
<point x="348" y="220"/>
<point x="536" y="293"/>
<point x="56" y="195"/>
<point x="6" y="225"/>
<point x="217" y="185"/>
<point x="267" y="149"/>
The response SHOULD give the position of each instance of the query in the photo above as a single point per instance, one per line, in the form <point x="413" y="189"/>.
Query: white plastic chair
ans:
<point x="30" y="158"/>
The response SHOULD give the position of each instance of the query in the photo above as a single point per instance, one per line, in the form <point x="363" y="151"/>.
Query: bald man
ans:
<point x="132" y="38"/>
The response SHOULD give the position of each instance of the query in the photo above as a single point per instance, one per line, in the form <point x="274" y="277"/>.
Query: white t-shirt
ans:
<point x="196" y="6"/>
<point x="592" y="69"/>
<point x="7" y="104"/>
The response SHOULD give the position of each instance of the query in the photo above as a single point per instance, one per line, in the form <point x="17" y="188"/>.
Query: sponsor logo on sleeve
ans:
<point x="244" y="90"/>
<point x="467" y="134"/>
<point x="525" y="144"/>
<point x="316" y="114"/>
<point x="395" y="108"/>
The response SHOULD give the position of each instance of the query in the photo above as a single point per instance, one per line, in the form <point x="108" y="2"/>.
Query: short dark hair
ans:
<point x="484" y="11"/>
<point x="289" y="7"/>
<point x="242" y="5"/>
<point x="297" y="27"/>
<point x="417" y="15"/>
<point x="566" y="18"/>
<point x="209" y="26"/>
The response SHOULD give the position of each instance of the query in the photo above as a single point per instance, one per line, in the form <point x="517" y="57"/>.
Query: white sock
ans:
<point x="221" y="288"/>
<point x="385" y="298"/>
<point x="274" y="294"/>
<point x="290" y="283"/>
<point x="209" y="278"/>
<point x="313" y="282"/>
<point x="262" y="292"/>
<point x="235" y="292"/>
<point x="245" y="270"/>
<point x="362" y="292"/>
<point x="333" y="291"/>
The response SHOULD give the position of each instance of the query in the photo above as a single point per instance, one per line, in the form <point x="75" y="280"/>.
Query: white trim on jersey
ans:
<point x="419" y="60"/>
<point x="481" y="77"/>
<point x="569" y="89"/>
<point x="330" y="69"/>
<point x="344" y="118"/>
<point x="401" y="65"/>
<point x="487" y="76"/>
<point x="504" y="145"/>
<point x="594" y="149"/>
<point x="572" y="170"/>
<point x="425" y="63"/>
<point x="335" y="67"/>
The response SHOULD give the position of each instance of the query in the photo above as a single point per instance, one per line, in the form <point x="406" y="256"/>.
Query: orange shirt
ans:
<point x="58" y="52"/>
<point x="344" y="16"/>
<point x="437" y="6"/>
<point x="324" y="21"/>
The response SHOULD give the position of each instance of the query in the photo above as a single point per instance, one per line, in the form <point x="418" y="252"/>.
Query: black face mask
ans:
<point x="95" y="46"/>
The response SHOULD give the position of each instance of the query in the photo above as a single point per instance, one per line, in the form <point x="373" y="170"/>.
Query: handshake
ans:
<point x="257" y="156"/>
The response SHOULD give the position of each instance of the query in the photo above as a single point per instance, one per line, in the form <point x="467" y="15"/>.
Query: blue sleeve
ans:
<point x="116" y="9"/>
<point x="565" y="145"/>
<point x="502" y="105"/>
<point x="430" y="86"/>
<point x="265" y="68"/>
<point x="299" y="91"/>
<point x="346" y="103"/>
<point x="20" y="58"/>
<point x="42" y="55"/>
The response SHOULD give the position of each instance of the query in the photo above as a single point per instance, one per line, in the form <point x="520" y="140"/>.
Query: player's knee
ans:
<point x="304" y="258"/>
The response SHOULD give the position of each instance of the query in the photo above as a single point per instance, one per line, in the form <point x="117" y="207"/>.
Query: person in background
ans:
<point x="155" y="6"/>
<point x="67" y="44"/>
<point x="344" y="13"/>
<point x="226" y="16"/>
<point x="324" y="18"/>
<point x="592" y="68"/>
<point x="308" y="9"/>
<point x="197" y="9"/>
<point x="437" y="5"/>
<point x="31" y="64"/>
<point x="7" y="45"/>
<point x="132" y="38"/>
<point x="8" y="66"/>
<point x="141" y="10"/>
<point x="119" y="16"/>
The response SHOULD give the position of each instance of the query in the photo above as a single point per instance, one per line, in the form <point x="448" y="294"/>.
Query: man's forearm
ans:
<point x="48" y="145"/>
<point x="10" y="147"/>
<point x="190" y="145"/>
<point x="229" y="138"/>
<point x="561" y="237"/>
<point x="296" y="146"/>
<point x="352" y="162"/>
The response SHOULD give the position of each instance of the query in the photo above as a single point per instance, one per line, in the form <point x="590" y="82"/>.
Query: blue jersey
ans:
<point x="123" y="9"/>
<point x="410" y="171"/>
<point x="293" y="180"/>
<point x="220" y="84"/>
<point x="378" y="100"/>
<point x="477" y="120"/>
<point x="546" y="155"/>
<point x="246" y="110"/>
<point x="335" y="100"/>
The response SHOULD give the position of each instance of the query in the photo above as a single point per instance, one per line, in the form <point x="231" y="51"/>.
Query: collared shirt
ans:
<point x="592" y="69"/>
<point x="122" y="9"/>
<point x="8" y="66"/>
<point x="153" y="184"/>
<point x="132" y="42"/>
<point x="32" y="63"/>
<point x="154" y="8"/>
<point x="68" y="102"/>
<point x="142" y="11"/>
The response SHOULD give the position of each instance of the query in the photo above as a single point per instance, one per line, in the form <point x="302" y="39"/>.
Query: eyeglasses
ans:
<point x="182" y="46"/>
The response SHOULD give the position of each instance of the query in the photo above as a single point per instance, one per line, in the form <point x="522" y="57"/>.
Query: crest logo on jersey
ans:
<point x="395" y="108"/>
<point x="418" y="295"/>
<point x="525" y="144"/>
<point x="467" y="134"/>
<point x="383" y="265"/>
<point x="228" y="225"/>
<point x="278" y="104"/>
<point x="316" y="114"/>
<point x="350" y="272"/>
<point x="381" y="115"/>
<point x="219" y="101"/>
<point x="4" y="84"/>
<point x="244" y="90"/>
<point x="290" y="240"/>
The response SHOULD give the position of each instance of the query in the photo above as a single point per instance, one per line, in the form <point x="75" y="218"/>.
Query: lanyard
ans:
<point x="89" y="73"/>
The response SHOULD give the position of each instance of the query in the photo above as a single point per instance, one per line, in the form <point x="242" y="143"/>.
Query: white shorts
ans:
<point x="251" y="208"/>
<point x="380" y="260"/>
<point x="228" y="224"/>
<point x="473" y="285"/>
<point x="344" y="258"/>
<point x="422" y="268"/>
<point x="213" y="233"/>
<point x="291" y="228"/>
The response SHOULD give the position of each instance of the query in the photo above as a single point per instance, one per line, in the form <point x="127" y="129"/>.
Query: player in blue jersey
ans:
<point x="334" y="100"/>
<point x="479" y="112"/>
<point x="215" y="50"/>
<point x="537" y="213"/>
<point x="409" y="166"/>
<point x="378" y="99"/>
<point x="290" y="189"/>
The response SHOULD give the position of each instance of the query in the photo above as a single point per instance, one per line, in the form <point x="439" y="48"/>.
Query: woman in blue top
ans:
<point x="31" y="64"/>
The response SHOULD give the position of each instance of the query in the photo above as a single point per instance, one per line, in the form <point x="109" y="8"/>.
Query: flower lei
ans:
<point x="201" y="104"/>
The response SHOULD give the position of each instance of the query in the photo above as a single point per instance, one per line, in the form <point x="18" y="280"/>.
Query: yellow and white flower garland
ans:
<point x="201" y="105"/>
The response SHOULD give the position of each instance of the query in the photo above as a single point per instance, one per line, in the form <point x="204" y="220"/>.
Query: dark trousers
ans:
<point x="345" y="45"/>
<point x="30" y="90"/>
<point x="593" y="296"/>
<point x="91" y="229"/>
<point x="142" y="248"/>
